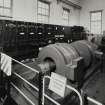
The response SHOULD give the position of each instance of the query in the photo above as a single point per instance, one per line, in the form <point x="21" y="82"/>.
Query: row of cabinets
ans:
<point x="23" y="38"/>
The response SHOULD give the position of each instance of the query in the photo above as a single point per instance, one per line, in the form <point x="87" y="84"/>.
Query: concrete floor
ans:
<point x="95" y="87"/>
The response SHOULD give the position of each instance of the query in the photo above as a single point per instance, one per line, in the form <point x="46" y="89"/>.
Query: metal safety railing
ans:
<point x="94" y="101"/>
<point x="38" y="89"/>
<point x="41" y="88"/>
<point x="29" y="100"/>
<point x="69" y="87"/>
<point x="51" y="99"/>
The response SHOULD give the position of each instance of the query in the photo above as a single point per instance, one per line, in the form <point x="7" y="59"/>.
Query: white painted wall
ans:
<point x="26" y="10"/>
<point x="91" y="5"/>
<point x="56" y="12"/>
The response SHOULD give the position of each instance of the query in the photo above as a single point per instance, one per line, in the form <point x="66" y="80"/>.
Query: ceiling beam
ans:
<point x="70" y="3"/>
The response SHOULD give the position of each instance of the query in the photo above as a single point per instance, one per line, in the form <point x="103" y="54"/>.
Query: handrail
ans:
<point x="22" y="94"/>
<point x="81" y="102"/>
<point x="26" y="81"/>
<point x="68" y="86"/>
<point x="34" y="70"/>
<point x="45" y="95"/>
<point x="79" y="95"/>
<point x="19" y="76"/>
<point x="94" y="101"/>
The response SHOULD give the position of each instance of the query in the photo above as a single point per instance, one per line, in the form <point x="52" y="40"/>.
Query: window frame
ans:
<point x="11" y="9"/>
<point x="68" y="20"/>
<point x="48" y="16"/>
<point x="91" y="21"/>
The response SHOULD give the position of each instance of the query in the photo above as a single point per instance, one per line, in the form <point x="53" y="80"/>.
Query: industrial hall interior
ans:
<point x="52" y="52"/>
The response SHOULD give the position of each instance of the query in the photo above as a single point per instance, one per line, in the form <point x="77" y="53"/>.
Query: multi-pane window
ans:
<point x="43" y="12"/>
<point x="66" y="13"/>
<point x="6" y="8"/>
<point x="96" y="22"/>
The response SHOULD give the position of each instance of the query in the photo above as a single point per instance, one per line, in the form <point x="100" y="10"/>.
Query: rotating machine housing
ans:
<point x="69" y="60"/>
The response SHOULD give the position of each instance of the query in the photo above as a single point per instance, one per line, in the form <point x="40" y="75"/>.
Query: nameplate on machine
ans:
<point x="57" y="84"/>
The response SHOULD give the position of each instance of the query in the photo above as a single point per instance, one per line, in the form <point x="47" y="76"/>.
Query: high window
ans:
<point x="43" y="11"/>
<point x="5" y="8"/>
<point x="96" y="22"/>
<point x="66" y="13"/>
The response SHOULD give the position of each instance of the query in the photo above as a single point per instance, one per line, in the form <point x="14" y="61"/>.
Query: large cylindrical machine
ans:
<point x="58" y="56"/>
<point x="74" y="61"/>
